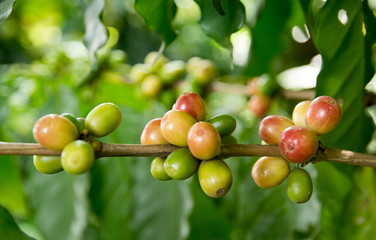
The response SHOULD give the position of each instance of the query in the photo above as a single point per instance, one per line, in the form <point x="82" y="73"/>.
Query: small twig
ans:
<point x="227" y="150"/>
<point x="243" y="90"/>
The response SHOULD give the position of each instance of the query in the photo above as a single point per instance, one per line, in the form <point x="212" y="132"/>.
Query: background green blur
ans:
<point x="68" y="56"/>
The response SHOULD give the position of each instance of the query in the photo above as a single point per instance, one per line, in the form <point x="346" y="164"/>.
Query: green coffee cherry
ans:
<point x="47" y="164"/>
<point x="181" y="164"/>
<point x="157" y="169"/>
<point x="215" y="177"/>
<point x="103" y="119"/>
<point x="225" y="124"/>
<point x="77" y="157"/>
<point x="299" y="185"/>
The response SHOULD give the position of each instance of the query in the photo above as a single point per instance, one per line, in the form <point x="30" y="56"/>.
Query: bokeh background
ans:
<point x="68" y="56"/>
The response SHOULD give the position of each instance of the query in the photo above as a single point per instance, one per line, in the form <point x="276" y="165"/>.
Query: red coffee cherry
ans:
<point x="323" y="115"/>
<point x="193" y="104"/>
<point x="298" y="144"/>
<point x="152" y="133"/>
<point x="204" y="141"/>
<point x="54" y="132"/>
<point x="271" y="128"/>
<point x="259" y="105"/>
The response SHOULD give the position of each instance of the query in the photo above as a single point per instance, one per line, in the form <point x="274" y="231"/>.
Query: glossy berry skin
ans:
<point x="157" y="169"/>
<point x="204" y="141"/>
<point x="298" y="144"/>
<point x="298" y="114"/>
<point x="299" y="186"/>
<point x="103" y="119"/>
<point x="215" y="177"/>
<point x="77" y="157"/>
<point x="193" y="104"/>
<point x="175" y="125"/>
<point x="54" y="132"/>
<point x="269" y="172"/>
<point x="271" y="128"/>
<point x="151" y="134"/>
<point x="47" y="164"/>
<point x="180" y="164"/>
<point x="205" y="72"/>
<point x="230" y="139"/>
<point x="323" y="115"/>
<point x="225" y="124"/>
<point x="259" y="105"/>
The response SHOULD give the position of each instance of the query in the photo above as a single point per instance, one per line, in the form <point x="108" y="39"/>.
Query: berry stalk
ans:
<point x="227" y="150"/>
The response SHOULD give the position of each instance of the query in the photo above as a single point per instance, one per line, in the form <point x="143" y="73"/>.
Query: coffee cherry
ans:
<point x="225" y="124"/>
<point x="192" y="64"/>
<point x="157" y="169"/>
<point x="172" y="71"/>
<point x="205" y="72"/>
<point x="103" y="119"/>
<point x="323" y="115"/>
<point x="152" y="133"/>
<point x="155" y="60"/>
<point x="193" y="104"/>
<point x="71" y="118"/>
<point x="259" y="105"/>
<point x="268" y="172"/>
<point x="230" y="139"/>
<point x="299" y="186"/>
<point x="204" y="141"/>
<point x="47" y="164"/>
<point x="298" y="144"/>
<point x="151" y="86"/>
<point x="271" y="128"/>
<point x="181" y="164"/>
<point x="77" y="157"/>
<point x="215" y="177"/>
<point x="54" y="132"/>
<point x="175" y="125"/>
<point x="80" y="124"/>
<point x="139" y="72"/>
<point x="298" y="114"/>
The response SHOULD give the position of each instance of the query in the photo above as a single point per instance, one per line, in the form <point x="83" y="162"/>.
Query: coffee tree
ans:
<point x="187" y="119"/>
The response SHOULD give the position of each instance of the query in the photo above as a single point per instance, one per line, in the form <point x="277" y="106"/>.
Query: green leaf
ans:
<point x="60" y="204"/>
<point x="5" y="9"/>
<point x="333" y="188"/>
<point x="11" y="187"/>
<point x="360" y="212"/>
<point x="343" y="73"/>
<point x="9" y="228"/>
<point x="95" y="33"/>
<point x="158" y="15"/>
<point x="268" y="35"/>
<point x="211" y="225"/>
<point x="218" y="26"/>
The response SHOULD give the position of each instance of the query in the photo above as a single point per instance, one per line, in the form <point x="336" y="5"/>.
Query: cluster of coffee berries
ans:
<point x="298" y="143"/>
<point x="74" y="137"/>
<point x="200" y="140"/>
<point x="261" y="90"/>
<point x="157" y="73"/>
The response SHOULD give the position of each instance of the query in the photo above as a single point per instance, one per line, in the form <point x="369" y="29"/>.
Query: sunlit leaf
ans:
<point x="5" y="9"/>
<point x="158" y="16"/>
<point x="336" y="29"/>
<point x="221" y="26"/>
<point x="95" y="33"/>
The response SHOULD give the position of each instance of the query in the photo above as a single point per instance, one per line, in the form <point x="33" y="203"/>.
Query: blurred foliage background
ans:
<point x="68" y="56"/>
